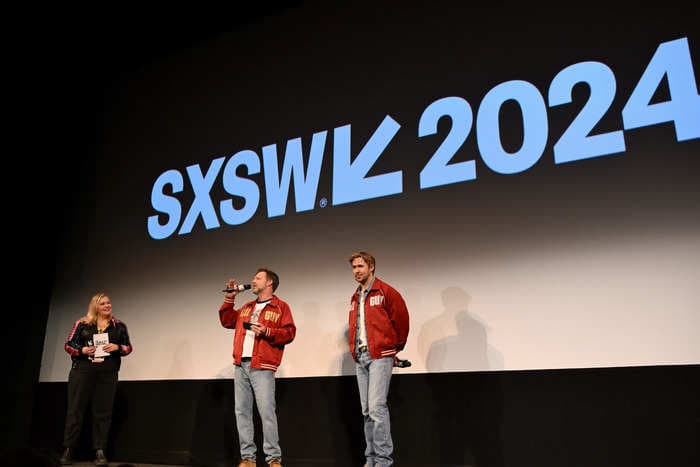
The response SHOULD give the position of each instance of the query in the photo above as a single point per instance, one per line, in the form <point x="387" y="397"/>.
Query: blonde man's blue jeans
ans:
<point x="373" y="378"/>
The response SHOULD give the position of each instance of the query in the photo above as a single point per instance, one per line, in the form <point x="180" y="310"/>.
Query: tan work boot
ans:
<point x="275" y="463"/>
<point x="247" y="463"/>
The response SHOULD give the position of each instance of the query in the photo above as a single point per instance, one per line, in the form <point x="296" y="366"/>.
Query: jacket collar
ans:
<point x="374" y="285"/>
<point x="274" y="301"/>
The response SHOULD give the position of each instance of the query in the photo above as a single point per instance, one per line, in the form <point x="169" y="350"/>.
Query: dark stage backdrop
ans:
<point x="526" y="177"/>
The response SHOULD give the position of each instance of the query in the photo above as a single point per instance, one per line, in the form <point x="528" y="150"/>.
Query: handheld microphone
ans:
<point x="402" y="363"/>
<point x="238" y="288"/>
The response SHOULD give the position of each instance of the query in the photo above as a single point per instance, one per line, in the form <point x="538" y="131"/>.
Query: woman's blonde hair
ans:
<point x="92" y="307"/>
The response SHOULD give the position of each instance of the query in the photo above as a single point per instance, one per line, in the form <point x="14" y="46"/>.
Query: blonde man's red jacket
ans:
<point x="386" y="321"/>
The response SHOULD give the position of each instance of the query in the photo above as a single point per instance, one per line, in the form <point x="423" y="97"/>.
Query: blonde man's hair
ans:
<point x="369" y="259"/>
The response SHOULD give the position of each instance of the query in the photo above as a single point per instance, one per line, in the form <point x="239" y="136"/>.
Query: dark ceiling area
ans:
<point x="114" y="41"/>
<point x="67" y="61"/>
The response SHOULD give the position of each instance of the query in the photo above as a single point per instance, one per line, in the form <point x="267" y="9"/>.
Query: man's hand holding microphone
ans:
<point x="232" y="289"/>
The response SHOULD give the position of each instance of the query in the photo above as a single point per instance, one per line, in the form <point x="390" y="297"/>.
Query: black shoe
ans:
<point x="100" y="458"/>
<point x="66" y="458"/>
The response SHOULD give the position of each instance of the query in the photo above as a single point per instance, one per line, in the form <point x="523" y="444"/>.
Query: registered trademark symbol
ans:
<point x="323" y="202"/>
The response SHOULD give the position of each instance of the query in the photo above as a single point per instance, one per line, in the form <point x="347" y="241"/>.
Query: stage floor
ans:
<point x="121" y="464"/>
<point x="291" y="464"/>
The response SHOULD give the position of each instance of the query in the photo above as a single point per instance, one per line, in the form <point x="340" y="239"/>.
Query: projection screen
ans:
<point x="526" y="178"/>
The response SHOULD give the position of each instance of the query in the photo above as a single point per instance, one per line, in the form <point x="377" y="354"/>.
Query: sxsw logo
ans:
<point x="670" y="66"/>
<point x="350" y="182"/>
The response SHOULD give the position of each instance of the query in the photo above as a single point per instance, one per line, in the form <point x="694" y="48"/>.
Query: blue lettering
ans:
<point x="535" y="127"/>
<point x="243" y="187"/>
<point x="438" y="171"/>
<point x="671" y="59"/>
<point x="166" y="204"/>
<point x="350" y="181"/>
<point x="576" y="142"/>
<point x="202" y="202"/>
<point x="305" y="187"/>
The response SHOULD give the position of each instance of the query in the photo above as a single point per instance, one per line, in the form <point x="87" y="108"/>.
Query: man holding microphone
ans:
<point x="263" y="327"/>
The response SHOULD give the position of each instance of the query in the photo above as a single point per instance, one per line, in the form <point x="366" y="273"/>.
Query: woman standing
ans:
<point x="96" y="344"/>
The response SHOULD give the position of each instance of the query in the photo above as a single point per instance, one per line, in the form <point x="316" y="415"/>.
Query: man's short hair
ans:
<point x="369" y="259"/>
<point x="272" y="276"/>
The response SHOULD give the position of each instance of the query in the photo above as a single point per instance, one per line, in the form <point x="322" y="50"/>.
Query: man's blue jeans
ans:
<point x="259" y="385"/>
<point x="373" y="378"/>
